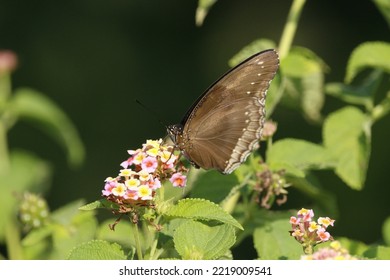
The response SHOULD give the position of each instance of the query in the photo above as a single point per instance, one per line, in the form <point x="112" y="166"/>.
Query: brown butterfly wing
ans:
<point x="225" y="124"/>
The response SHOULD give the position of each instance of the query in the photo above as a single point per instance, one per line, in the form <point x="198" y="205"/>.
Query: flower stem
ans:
<point x="5" y="92"/>
<point x="382" y="109"/>
<point x="4" y="156"/>
<point x="290" y="27"/>
<point x="12" y="237"/>
<point x="137" y="242"/>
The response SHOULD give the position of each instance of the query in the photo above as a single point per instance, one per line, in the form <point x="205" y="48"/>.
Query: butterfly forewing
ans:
<point x="224" y="125"/>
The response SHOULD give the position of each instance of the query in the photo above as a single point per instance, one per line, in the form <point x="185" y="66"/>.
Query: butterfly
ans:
<point x="225" y="123"/>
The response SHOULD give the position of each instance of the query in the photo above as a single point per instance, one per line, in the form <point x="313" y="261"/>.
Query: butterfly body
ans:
<point x="224" y="125"/>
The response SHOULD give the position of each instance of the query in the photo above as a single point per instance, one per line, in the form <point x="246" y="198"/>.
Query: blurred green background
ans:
<point x="94" y="58"/>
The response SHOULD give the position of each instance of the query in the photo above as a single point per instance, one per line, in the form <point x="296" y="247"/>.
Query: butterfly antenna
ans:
<point x="152" y="112"/>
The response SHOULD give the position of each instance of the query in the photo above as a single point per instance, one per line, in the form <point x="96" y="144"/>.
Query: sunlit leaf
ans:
<point x="213" y="186"/>
<point x="300" y="154"/>
<point x="197" y="241"/>
<point x="378" y="253"/>
<point x="33" y="106"/>
<point x="202" y="10"/>
<point x="97" y="250"/>
<point x="250" y="49"/>
<point x="384" y="8"/>
<point x="201" y="209"/>
<point x="346" y="135"/>
<point x="273" y="241"/>
<point x="368" y="55"/>
<point x="303" y="78"/>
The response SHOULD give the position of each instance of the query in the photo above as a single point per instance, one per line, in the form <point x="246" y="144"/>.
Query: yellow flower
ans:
<point x="132" y="183"/>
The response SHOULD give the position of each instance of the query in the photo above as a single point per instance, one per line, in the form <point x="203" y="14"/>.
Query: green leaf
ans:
<point x="202" y="10"/>
<point x="386" y="231"/>
<point x="37" y="235"/>
<point x="384" y="8"/>
<point x="212" y="185"/>
<point x="272" y="241"/>
<point x="197" y="241"/>
<point x="250" y="49"/>
<point x="377" y="253"/>
<point x="303" y="78"/>
<point x="363" y="94"/>
<point x="35" y="107"/>
<point x="369" y="54"/>
<point x="97" y="250"/>
<point x="290" y="169"/>
<point x="346" y="135"/>
<point x="99" y="204"/>
<point x="201" y="209"/>
<point x="382" y="109"/>
<point x="123" y="234"/>
<point x="65" y="214"/>
<point x="300" y="154"/>
<point x="27" y="173"/>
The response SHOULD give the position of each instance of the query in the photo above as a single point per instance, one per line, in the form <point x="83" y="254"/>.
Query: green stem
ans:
<point x="4" y="154"/>
<point x="12" y="236"/>
<point x="137" y="242"/>
<point x="5" y="92"/>
<point x="290" y="27"/>
<point x="230" y="201"/>
<point x="382" y="109"/>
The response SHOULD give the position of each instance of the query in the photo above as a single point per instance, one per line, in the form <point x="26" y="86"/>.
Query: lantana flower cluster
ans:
<point x="309" y="232"/>
<point x="143" y="173"/>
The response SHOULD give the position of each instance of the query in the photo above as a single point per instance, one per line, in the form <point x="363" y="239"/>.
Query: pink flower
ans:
<point x="149" y="164"/>
<point x="155" y="184"/>
<point x="323" y="235"/>
<point x="178" y="180"/>
<point x="294" y="220"/>
<point x="108" y="187"/>
<point x="125" y="164"/>
<point x="131" y="194"/>
<point x="306" y="214"/>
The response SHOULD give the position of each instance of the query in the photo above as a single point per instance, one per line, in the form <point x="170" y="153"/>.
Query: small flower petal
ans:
<point x="119" y="190"/>
<point x="144" y="175"/>
<point x="178" y="180"/>
<point x="294" y="220"/>
<point x="144" y="192"/>
<point x="132" y="183"/>
<point x="306" y="214"/>
<point x="149" y="164"/>
<point x="325" y="221"/>
<point x="126" y="172"/>
<point x="314" y="226"/>
<point x="323" y="235"/>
